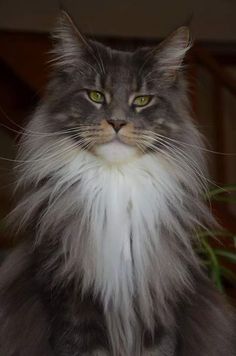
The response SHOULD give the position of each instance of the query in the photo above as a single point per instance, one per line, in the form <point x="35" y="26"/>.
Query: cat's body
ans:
<point x="112" y="180"/>
<point x="38" y="321"/>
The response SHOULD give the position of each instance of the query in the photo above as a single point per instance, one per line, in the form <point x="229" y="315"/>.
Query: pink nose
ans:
<point x="117" y="124"/>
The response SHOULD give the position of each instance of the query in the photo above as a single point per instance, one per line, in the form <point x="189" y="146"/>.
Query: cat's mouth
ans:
<point x="116" y="145"/>
<point x="111" y="144"/>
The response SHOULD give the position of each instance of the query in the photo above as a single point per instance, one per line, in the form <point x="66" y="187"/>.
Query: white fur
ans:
<point x="112" y="215"/>
<point x="116" y="152"/>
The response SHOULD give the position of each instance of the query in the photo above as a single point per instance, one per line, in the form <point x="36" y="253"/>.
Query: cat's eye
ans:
<point x="96" y="96"/>
<point x="142" y="100"/>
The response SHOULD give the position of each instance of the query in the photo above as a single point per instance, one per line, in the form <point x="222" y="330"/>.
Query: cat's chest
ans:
<point x="121" y="213"/>
<point x="115" y="218"/>
<point x="121" y="207"/>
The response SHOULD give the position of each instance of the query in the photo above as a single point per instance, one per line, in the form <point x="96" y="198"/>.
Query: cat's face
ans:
<point x="114" y="103"/>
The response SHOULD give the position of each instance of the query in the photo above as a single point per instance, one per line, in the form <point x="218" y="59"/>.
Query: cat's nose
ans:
<point x="117" y="124"/>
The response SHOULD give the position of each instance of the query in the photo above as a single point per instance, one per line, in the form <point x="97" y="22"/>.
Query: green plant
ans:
<point x="217" y="258"/>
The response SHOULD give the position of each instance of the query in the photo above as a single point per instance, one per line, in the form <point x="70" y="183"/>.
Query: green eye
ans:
<point x="142" y="100"/>
<point x="96" y="96"/>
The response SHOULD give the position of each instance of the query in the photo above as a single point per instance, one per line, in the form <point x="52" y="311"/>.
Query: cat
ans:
<point x="112" y="177"/>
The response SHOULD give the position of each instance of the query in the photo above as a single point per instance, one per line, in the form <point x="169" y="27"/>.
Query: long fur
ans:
<point x="117" y="229"/>
<point x="111" y="231"/>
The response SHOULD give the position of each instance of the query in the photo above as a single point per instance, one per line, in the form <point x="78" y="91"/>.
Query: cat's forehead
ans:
<point x="117" y="68"/>
<point x="115" y="58"/>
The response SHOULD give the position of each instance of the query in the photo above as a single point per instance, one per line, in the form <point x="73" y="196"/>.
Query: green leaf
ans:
<point x="225" y="199"/>
<point x="215" y="233"/>
<point x="227" y="254"/>
<point x="224" y="190"/>
<point x="214" y="266"/>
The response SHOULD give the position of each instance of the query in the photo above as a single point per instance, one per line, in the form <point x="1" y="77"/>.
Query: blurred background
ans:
<point x="211" y="71"/>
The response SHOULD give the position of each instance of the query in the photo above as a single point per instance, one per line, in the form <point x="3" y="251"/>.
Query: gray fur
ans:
<point x="108" y="267"/>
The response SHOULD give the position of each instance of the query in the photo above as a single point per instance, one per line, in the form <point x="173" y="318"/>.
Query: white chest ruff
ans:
<point x="123" y="208"/>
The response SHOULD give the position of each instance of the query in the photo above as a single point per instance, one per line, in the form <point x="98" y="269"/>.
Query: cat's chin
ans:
<point x="116" y="152"/>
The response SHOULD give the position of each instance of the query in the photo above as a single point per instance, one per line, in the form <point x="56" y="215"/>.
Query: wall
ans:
<point x="7" y="153"/>
<point x="212" y="20"/>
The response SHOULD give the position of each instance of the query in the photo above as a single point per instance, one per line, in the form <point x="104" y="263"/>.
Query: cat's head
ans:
<point x="117" y="104"/>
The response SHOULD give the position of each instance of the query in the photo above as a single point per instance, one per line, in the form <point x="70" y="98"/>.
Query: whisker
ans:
<point x="210" y="181"/>
<point x="189" y="144"/>
<point x="165" y="140"/>
<point x="27" y="132"/>
<point x="51" y="148"/>
<point x="200" y="179"/>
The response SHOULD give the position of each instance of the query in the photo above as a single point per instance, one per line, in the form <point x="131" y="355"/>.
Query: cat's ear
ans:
<point x="171" y="52"/>
<point x="69" y="43"/>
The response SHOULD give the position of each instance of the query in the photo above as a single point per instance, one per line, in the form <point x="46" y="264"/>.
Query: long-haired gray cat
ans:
<point x="112" y="178"/>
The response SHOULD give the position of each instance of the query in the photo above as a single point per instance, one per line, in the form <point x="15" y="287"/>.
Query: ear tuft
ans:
<point x="68" y="41"/>
<point x="171" y="51"/>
